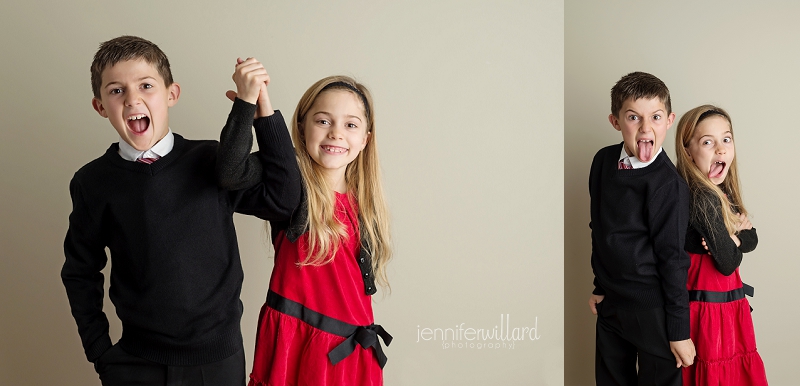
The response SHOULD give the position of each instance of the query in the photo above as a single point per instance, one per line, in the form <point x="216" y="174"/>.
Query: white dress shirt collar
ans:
<point x="635" y="162"/>
<point x="160" y="149"/>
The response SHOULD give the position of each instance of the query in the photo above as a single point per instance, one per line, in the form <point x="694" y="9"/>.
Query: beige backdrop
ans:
<point x="470" y="113"/>
<point x="742" y="56"/>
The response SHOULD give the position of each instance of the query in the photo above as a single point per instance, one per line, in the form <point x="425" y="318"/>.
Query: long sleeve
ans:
<point x="749" y="240"/>
<point x="265" y="184"/>
<point x="668" y="219"/>
<point x="85" y="258"/>
<point x="707" y="220"/>
<point x="598" y="289"/>
<point x="236" y="167"/>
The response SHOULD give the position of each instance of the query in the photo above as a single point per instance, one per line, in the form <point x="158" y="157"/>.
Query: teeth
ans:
<point x="334" y="149"/>
<point x="135" y="117"/>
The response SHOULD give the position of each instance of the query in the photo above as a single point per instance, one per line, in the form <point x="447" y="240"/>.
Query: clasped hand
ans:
<point x="252" y="79"/>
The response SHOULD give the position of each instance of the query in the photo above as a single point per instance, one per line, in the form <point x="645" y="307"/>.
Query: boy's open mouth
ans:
<point x="716" y="169"/>
<point x="138" y="123"/>
<point x="645" y="149"/>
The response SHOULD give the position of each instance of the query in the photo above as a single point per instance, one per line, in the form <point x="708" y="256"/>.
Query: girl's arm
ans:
<point x="749" y="240"/>
<point x="236" y="167"/>
<point x="708" y="221"/>
<point x="747" y="235"/>
<point x="266" y="184"/>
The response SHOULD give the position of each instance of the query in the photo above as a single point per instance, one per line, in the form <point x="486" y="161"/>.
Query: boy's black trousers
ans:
<point x="623" y="336"/>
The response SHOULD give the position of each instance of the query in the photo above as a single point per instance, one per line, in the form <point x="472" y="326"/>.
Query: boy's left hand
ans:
<point x="594" y="300"/>
<point x="684" y="352"/>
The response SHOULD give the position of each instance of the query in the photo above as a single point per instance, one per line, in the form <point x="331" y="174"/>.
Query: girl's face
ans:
<point x="335" y="130"/>
<point x="711" y="148"/>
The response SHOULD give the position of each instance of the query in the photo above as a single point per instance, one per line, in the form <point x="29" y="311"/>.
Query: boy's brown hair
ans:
<point x="637" y="85"/>
<point x="128" y="48"/>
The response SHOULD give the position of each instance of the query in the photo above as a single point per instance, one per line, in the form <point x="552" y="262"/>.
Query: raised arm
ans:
<point x="267" y="183"/>
<point x="236" y="167"/>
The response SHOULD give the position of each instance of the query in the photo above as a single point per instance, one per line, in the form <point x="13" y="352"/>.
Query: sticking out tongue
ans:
<point x="716" y="170"/>
<point x="645" y="150"/>
<point x="138" y="126"/>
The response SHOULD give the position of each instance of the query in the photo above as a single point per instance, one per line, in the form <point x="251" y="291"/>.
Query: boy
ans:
<point x="153" y="201"/>
<point x="639" y="216"/>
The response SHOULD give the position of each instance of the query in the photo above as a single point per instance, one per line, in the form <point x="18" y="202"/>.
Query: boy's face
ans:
<point x="135" y="100"/>
<point x="644" y="124"/>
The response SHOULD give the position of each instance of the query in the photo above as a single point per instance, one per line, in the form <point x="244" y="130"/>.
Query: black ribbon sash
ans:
<point x="366" y="336"/>
<point x="721" y="297"/>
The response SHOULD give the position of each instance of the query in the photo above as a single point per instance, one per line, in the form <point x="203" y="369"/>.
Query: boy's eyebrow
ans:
<point x="138" y="80"/>
<point x="657" y="111"/>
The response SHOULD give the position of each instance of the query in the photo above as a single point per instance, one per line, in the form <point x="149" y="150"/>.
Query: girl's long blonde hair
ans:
<point x="728" y="192"/>
<point x="363" y="179"/>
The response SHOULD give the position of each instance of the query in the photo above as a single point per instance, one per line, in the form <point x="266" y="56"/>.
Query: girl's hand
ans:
<point x="264" y="106"/>
<point x="744" y="223"/>
<point x="736" y="240"/>
<point x="706" y="246"/>
<point x="250" y="76"/>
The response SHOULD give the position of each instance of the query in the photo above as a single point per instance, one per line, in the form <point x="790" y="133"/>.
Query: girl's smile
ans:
<point x="712" y="149"/>
<point x="333" y="149"/>
<point x="335" y="130"/>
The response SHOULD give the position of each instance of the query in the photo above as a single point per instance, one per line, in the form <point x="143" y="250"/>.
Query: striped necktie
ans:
<point x="145" y="160"/>
<point x="623" y="165"/>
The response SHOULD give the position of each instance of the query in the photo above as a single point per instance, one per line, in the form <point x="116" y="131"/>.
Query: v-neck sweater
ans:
<point x="639" y="219"/>
<point x="176" y="272"/>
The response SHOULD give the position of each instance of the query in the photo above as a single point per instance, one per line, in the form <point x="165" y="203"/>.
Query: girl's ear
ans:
<point x="366" y="140"/>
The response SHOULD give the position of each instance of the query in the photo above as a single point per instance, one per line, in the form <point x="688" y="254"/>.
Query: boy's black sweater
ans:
<point x="176" y="273"/>
<point x="639" y="219"/>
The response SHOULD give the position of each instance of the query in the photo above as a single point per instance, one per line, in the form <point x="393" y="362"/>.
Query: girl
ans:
<point x="719" y="232"/>
<point x="316" y="327"/>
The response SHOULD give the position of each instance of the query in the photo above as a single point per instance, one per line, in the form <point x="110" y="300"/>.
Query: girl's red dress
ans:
<point x="721" y="323"/>
<point x="292" y="352"/>
<point x="722" y="333"/>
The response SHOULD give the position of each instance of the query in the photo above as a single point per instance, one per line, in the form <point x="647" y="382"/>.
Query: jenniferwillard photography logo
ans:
<point x="502" y="336"/>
